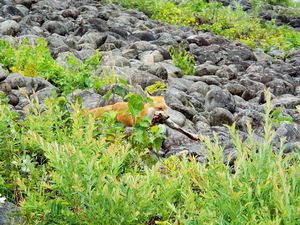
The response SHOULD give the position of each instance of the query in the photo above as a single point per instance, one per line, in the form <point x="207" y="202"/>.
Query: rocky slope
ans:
<point x="282" y="15"/>
<point x="228" y="84"/>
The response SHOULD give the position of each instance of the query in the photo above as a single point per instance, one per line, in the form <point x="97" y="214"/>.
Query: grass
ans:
<point x="232" y="23"/>
<point x="183" y="60"/>
<point x="34" y="59"/>
<point x="63" y="167"/>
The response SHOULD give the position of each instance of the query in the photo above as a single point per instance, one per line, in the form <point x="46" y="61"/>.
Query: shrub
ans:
<point x="32" y="59"/>
<point x="61" y="169"/>
<point x="183" y="60"/>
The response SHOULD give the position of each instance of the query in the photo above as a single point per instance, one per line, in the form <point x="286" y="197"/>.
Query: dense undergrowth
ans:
<point x="63" y="167"/>
<point x="230" y="22"/>
<point x="34" y="59"/>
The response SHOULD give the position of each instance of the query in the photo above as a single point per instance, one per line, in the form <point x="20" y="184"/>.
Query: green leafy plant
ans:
<point x="157" y="86"/>
<point x="144" y="136"/>
<point x="183" y="60"/>
<point x="278" y="117"/>
<point x="34" y="59"/>
<point x="72" y="175"/>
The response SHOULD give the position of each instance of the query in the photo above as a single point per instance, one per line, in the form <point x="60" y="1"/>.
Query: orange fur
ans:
<point x="123" y="113"/>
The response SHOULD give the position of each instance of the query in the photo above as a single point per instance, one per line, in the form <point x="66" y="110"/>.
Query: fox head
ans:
<point x="158" y="104"/>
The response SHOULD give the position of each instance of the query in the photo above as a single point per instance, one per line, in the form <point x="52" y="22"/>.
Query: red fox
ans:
<point x="123" y="113"/>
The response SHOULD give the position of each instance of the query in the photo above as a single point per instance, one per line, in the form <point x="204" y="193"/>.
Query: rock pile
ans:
<point x="228" y="84"/>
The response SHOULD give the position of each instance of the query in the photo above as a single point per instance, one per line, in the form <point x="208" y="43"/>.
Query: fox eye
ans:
<point x="160" y="108"/>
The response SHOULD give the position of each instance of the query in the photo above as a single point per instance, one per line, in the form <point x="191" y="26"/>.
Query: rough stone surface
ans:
<point x="9" y="214"/>
<point x="9" y="27"/>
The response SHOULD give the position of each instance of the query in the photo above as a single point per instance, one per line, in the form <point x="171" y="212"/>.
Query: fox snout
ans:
<point x="159" y="117"/>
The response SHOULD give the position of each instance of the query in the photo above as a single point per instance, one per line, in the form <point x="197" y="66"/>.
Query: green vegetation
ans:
<point x="278" y="118"/>
<point x="65" y="168"/>
<point x="157" y="86"/>
<point x="232" y="23"/>
<point x="183" y="60"/>
<point x="34" y="59"/>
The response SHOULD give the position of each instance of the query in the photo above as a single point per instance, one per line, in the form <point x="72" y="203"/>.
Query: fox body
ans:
<point x="124" y="115"/>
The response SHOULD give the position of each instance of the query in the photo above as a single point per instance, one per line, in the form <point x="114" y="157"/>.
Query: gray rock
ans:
<point x="201" y="117"/>
<point x="16" y="80"/>
<point x="199" y="40"/>
<point x="219" y="98"/>
<point x="43" y="94"/>
<point x="95" y="39"/>
<point x="291" y="147"/>
<point x="55" y="27"/>
<point x="176" y="117"/>
<point x="3" y="74"/>
<point x="26" y="3"/>
<point x="188" y="112"/>
<point x="159" y="71"/>
<point x="261" y="56"/>
<point x="213" y="39"/>
<point x="142" y="46"/>
<point x="13" y="99"/>
<point x="220" y="116"/>
<point x="253" y="86"/>
<point x="72" y="12"/>
<point x="254" y="68"/>
<point x="130" y="53"/>
<point x="5" y="87"/>
<point x="150" y="57"/>
<point x="135" y="76"/>
<point x="254" y="118"/>
<point x="10" y="214"/>
<point x="49" y="5"/>
<point x="165" y="39"/>
<point x="10" y="10"/>
<point x="23" y="9"/>
<point x="174" y="140"/>
<point x="172" y="70"/>
<point x="235" y="88"/>
<point x="178" y="94"/>
<point x="196" y="100"/>
<point x="9" y="27"/>
<point x="211" y="80"/>
<point x="200" y="125"/>
<point x="89" y="99"/>
<point x="297" y="90"/>
<point x="117" y="60"/>
<point x="199" y="87"/>
<point x="288" y="101"/>
<point x="291" y="132"/>
<point x="206" y="69"/>
<point x="249" y="94"/>
<point x="280" y="87"/>
<point x="226" y="72"/>
<point x="144" y="36"/>
<point x="179" y="84"/>
<point x="56" y="41"/>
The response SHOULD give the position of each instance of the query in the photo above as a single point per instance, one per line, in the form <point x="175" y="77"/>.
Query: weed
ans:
<point x="72" y="176"/>
<point x="183" y="60"/>
<point x="157" y="86"/>
<point x="32" y="59"/>
<point x="278" y="117"/>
